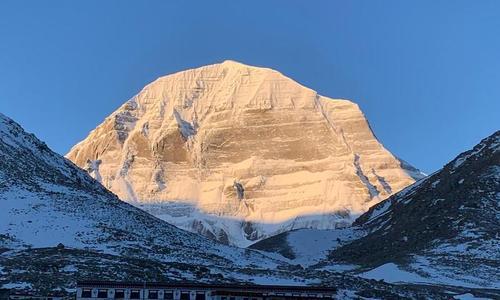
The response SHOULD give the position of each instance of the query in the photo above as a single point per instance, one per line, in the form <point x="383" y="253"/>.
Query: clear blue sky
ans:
<point x="426" y="73"/>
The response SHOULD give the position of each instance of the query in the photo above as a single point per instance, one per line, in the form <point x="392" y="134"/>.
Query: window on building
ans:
<point x="185" y="296"/>
<point x="152" y="294"/>
<point x="119" y="294"/>
<point x="102" y="294"/>
<point x="232" y="298"/>
<point x="168" y="295"/>
<point x="135" y="294"/>
<point x="223" y="298"/>
<point x="200" y="296"/>
<point x="86" y="293"/>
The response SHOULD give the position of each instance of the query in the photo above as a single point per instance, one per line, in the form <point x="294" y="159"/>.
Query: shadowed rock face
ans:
<point x="187" y="138"/>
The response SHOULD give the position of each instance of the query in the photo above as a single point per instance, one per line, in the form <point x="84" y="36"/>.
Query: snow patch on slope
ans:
<point x="93" y="169"/>
<point x="312" y="245"/>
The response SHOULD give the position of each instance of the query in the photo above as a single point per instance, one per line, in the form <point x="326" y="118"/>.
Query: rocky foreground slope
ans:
<point x="57" y="225"/>
<point x="239" y="153"/>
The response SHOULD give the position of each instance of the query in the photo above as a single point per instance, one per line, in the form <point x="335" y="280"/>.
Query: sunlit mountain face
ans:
<point x="239" y="153"/>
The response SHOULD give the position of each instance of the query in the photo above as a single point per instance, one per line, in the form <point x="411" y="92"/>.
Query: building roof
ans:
<point x="220" y="286"/>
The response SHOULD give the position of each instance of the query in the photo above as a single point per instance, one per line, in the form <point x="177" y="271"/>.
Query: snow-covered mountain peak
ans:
<point x="235" y="64"/>
<point x="239" y="153"/>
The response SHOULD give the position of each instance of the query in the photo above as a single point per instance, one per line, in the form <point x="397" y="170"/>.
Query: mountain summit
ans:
<point x="239" y="153"/>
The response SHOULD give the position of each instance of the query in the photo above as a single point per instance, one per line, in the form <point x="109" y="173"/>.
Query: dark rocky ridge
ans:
<point x="447" y="225"/>
<point x="277" y="243"/>
<point x="463" y="196"/>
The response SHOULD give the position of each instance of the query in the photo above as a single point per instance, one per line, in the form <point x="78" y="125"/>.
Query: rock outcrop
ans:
<point x="241" y="153"/>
